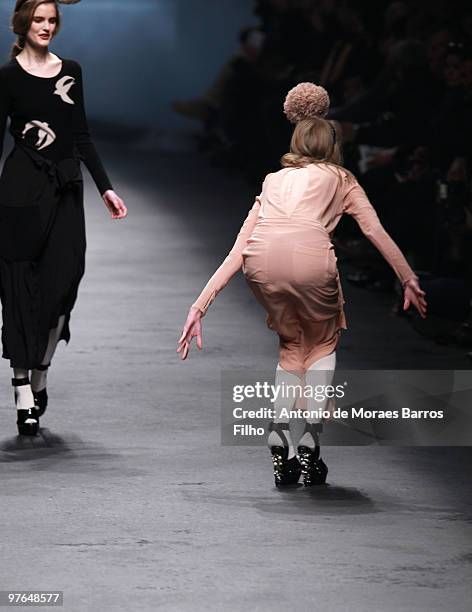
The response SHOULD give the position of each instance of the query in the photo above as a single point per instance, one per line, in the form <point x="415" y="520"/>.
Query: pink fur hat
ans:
<point x="305" y="101"/>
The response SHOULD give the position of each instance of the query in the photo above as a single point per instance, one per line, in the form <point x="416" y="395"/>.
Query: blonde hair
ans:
<point x="316" y="141"/>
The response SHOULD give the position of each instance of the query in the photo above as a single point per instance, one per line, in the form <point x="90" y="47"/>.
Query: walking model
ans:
<point x="285" y="250"/>
<point x="42" y="227"/>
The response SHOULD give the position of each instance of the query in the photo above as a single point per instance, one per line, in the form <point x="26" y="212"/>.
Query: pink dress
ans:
<point x="284" y="248"/>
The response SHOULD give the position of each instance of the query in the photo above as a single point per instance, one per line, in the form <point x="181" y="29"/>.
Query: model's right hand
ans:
<point x="413" y="294"/>
<point x="192" y="329"/>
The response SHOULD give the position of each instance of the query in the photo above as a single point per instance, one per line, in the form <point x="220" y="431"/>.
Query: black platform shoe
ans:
<point x="286" y="471"/>
<point x="27" y="419"/>
<point x="314" y="469"/>
<point x="41" y="397"/>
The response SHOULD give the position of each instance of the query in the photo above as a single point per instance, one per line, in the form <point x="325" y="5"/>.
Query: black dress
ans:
<point x="42" y="226"/>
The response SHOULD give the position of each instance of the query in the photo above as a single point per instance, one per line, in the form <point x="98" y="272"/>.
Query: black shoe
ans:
<point x="27" y="422"/>
<point x="286" y="471"/>
<point x="27" y="419"/>
<point x="41" y="397"/>
<point x="314" y="469"/>
<point x="40" y="401"/>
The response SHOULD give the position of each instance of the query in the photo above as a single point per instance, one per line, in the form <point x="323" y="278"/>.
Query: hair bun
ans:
<point x="306" y="101"/>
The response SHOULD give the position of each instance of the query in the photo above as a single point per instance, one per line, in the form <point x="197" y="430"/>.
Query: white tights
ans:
<point x="319" y="373"/>
<point x="24" y="394"/>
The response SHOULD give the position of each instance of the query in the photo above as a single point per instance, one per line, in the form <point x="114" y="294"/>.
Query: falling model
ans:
<point x="284" y="248"/>
<point x="42" y="227"/>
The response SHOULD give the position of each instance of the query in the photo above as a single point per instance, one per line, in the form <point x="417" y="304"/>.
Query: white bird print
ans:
<point x="46" y="135"/>
<point x="63" y="87"/>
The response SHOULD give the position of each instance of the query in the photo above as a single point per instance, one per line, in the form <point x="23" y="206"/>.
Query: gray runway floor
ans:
<point x="127" y="500"/>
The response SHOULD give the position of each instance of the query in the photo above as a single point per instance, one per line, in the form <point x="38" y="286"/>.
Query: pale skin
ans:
<point x="39" y="61"/>
<point x="413" y="295"/>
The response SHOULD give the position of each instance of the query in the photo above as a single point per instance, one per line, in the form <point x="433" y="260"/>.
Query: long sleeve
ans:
<point x="231" y="264"/>
<point x="357" y="204"/>
<point x="4" y="108"/>
<point x="83" y="140"/>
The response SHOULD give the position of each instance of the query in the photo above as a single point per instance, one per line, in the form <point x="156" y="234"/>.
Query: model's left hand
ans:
<point x="416" y="296"/>
<point x="115" y="205"/>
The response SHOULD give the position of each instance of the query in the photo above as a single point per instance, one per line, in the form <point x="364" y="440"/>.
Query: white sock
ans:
<point x="319" y="373"/>
<point x="24" y="399"/>
<point x="283" y="376"/>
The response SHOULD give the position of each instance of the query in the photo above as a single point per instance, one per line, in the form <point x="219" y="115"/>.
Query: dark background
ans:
<point x="139" y="54"/>
<point x="210" y="76"/>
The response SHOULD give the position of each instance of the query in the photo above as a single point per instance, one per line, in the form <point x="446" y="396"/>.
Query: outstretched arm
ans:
<point x="231" y="264"/>
<point x="357" y="204"/>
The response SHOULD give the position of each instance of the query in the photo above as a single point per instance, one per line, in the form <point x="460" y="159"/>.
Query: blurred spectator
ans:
<point x="251" y="41"/>
<point x="399" y="75"/>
